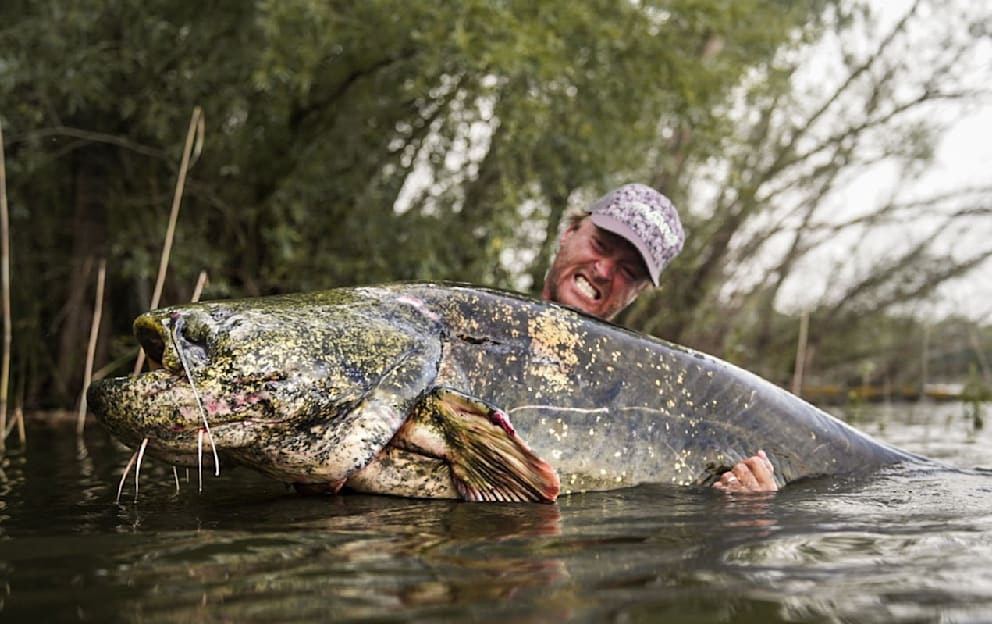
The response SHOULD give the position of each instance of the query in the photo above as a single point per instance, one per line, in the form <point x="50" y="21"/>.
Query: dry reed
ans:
<point x="5" y="287"/>
<point x="800" y="367"/>
<point x="101" y="277"/>
<point x="201" y="282"/>
<point x="194" y="143"/>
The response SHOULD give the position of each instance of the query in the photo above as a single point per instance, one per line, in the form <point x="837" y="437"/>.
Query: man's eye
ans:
<point x="596" y="244"/>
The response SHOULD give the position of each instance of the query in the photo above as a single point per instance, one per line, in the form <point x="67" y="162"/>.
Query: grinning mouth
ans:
<point x="586" y="288"/>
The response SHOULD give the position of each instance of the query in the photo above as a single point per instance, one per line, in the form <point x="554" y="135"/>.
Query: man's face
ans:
<point x="595" y="271"/>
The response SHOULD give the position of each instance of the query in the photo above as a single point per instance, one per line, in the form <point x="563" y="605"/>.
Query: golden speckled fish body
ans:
<point x="443" y="390"/>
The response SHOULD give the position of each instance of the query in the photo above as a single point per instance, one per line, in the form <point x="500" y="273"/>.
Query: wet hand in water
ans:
<point x="754" y="474"/>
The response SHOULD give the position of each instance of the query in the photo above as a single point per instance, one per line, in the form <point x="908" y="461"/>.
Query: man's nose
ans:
<point x="604" y="268"/>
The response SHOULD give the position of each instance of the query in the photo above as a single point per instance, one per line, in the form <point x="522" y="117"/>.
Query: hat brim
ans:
<point x="620" y="228"/>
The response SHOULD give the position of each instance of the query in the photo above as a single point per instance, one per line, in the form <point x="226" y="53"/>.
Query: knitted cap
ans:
<point x="644" y="217"/>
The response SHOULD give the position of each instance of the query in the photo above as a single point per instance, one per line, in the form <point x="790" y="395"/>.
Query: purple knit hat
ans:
<point x="644" y="217"/>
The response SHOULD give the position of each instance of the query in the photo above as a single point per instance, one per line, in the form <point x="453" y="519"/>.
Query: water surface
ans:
<point x="897" y="546"/>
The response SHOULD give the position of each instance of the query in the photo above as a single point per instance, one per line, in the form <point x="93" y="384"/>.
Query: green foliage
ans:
<point x="359" y="142"/>
<point x="484" y="119"/>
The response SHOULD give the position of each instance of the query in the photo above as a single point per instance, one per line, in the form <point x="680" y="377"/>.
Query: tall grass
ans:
<point x="91" y="347"/>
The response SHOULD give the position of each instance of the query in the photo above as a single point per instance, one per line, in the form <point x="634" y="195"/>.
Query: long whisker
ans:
<point x="137" y="468"/>
<point x="176" y="327"/>
<point x="199" y="458"/>
<point x="210" y="438"/>
<point x="127" y="469"/>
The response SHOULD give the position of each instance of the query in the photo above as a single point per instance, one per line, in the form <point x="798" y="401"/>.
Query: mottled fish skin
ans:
<point x="307" y="389"/>
<point x="311" y="388"/>
<point x="612" y="408"/>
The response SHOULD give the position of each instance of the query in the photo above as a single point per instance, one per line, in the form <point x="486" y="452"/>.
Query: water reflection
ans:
<point x="896" y="546"/>
<point x="362" y="555"/>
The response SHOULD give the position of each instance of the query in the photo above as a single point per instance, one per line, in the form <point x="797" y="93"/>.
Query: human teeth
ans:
<point x="585" y="287"/>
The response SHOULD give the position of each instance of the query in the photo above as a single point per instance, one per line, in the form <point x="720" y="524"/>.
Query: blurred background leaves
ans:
<point x="387" y="140"/>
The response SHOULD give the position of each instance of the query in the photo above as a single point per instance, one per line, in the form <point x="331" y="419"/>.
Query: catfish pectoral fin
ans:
<point x="496" y="468"/>
<point x="488" y="461"/>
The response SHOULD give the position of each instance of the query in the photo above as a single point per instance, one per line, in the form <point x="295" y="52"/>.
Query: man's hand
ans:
<point x="754" y="474"/>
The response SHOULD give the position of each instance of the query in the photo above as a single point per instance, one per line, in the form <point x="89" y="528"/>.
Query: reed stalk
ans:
<point x="5" y="288"/>
<point x="22" y="435"/>
<point x="800" y="367"/>
<point x="18" y="422"/>
<point x="101" y="277"/>
<point x="201" y="281"/>
<point x="194" y="143"/>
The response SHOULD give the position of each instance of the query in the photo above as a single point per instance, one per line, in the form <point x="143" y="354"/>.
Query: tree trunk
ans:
<point x="87" y="237"/>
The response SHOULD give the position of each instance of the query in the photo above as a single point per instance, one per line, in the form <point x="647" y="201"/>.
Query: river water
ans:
<point x="897" y="546"/>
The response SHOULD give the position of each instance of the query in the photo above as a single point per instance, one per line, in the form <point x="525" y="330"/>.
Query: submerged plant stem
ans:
<point x="120" y="486"/>
<point x="137" y="468"/>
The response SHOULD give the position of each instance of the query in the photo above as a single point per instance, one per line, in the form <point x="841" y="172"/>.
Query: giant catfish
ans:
<point x="450" y="391"/>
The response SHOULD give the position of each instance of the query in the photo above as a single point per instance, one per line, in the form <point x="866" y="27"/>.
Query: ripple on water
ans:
<point x="902" y="547"/>
<point x="898" y="546"/>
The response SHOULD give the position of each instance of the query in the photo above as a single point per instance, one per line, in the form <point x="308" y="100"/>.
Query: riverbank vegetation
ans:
<point x="350" y="143"/>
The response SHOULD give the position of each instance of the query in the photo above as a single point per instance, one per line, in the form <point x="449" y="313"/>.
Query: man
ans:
<point x="612" y="253"/>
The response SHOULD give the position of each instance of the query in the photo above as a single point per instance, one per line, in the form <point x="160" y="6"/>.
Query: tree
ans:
<point x="346" y="142"/>
<point x="869" y="99"/>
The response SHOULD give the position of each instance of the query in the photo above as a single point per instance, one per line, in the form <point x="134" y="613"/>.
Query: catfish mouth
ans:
<point x="120" y="406"/>
<point x="161" y="406"/>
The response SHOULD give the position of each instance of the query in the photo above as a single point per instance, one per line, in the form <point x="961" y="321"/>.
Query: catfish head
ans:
<point x="319" y="390"/>
<point x="306" y="388"/>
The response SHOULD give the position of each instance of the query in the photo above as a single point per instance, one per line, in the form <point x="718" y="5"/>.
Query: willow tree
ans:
<point x="775" y="227"/>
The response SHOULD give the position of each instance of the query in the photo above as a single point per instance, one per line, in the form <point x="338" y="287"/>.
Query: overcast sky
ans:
<point x="963" y="159"/>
